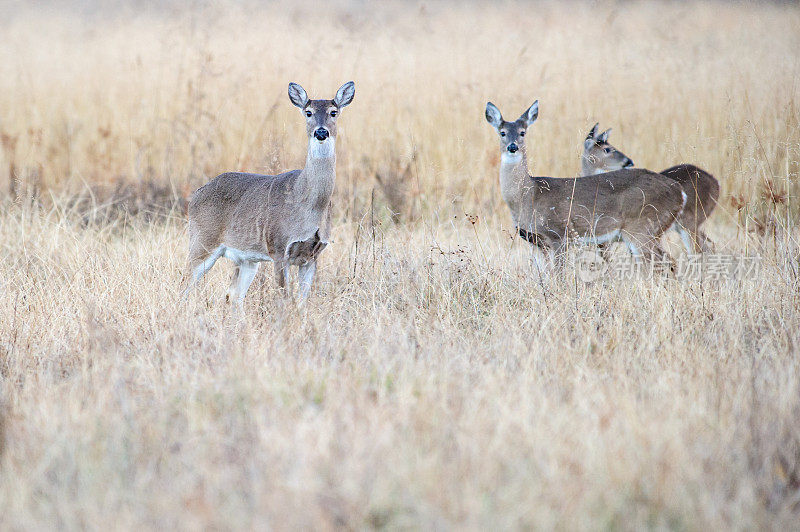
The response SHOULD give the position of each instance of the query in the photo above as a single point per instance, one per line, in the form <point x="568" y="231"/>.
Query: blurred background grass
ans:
<point x="134" y="105"/>
<point x="435" y="379"/>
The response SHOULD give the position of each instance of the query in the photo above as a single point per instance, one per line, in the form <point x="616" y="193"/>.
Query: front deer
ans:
<point x="635" y="206"/>
<point x="285" y="218"/>
<point x="700" y="187"/>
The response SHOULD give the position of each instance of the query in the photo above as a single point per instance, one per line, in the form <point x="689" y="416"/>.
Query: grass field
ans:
<point x="434" y="379"/>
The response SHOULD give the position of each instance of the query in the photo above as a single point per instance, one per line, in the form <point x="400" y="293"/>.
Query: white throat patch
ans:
<point x="510" y="158"/>
<point x="321" y="150"/>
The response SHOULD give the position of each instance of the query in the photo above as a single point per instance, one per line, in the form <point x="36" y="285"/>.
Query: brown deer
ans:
<point x="635" y="206"/>
<point x="700" y="187"/>
<point x="285" y="218"/>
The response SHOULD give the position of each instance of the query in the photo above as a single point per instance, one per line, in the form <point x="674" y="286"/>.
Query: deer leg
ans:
<point x="663" y="257"/>
<point x="689" y="238"/>
<point x="694" y="239"/>
<point x="279" y="277"/>
<point x="232" y="289"/>
<point x="201" y="269"/>
<point x="306" y="274"/>
<point x="632" y="247"/>
<point x="538" y="251"/>
<point x="557" y="253"/>
<point x="282" y="276"/>
<point x="605" y="251"/>
<point x="654" y="254"/>
<point x="703" y="242"/>
<point x="247" y="272"/>
<point x="559" y="257"/>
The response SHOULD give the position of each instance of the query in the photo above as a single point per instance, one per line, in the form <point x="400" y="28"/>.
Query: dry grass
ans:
<point x="434" y="380"/>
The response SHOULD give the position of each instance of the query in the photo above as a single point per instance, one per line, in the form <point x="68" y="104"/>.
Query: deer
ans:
<point x="635" y="206"/>
<point x="285" y="218"/>
<point x="700" y="187"/>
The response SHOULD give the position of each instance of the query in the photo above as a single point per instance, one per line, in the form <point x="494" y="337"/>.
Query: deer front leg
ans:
<point x="246" y="273"/>
<point x="654" y="255"/>
<point x="282" y="277"/>
<point x="551" y="251"/>
<point x="661" y="258"/>
<point x="557" y="251"/>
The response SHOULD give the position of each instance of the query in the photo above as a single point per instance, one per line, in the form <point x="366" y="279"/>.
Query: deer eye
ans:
<point x="607" y="150"/>
<point x="521" y="133"/>
<point x="502" y="133"/>
<point x="308" y="113"/>
<point x="334" y="112"/>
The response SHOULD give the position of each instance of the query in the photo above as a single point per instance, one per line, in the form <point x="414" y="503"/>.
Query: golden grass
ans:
<point x="434" y="379"/>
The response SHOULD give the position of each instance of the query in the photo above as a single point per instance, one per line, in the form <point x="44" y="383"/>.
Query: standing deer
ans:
<point x="285" y="218"/>
<point x="700" y="187"/>
<point x="635" y="206"/>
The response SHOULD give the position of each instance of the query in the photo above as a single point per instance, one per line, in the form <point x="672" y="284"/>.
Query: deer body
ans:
<point x="251" y="218"/>
<point x="702" y="190"/>
<point x="635" y="206"/>
<point x="700" y="187"/>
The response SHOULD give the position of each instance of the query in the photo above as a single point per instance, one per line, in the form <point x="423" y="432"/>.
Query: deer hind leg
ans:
<point x="688" y="226"/>
<point x="695" y="241"/>
<point x="553" y="252"/>
<point x="202" y="261"/>
<point x="688" y="237"/>
<point x="705" y="244"/>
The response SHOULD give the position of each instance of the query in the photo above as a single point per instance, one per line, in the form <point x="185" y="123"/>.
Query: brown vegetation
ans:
<point x="435" y="379"/>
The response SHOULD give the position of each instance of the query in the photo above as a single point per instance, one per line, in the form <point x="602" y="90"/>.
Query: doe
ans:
<point x="632" y="205"/>
<point x="285" y="218"/>
<point x="700" y="187"/>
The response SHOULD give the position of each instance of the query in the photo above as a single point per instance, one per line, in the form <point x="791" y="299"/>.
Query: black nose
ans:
<point x="321" y="134"/>
<point x="512" y="148"/>
<point x="628" y="163"/>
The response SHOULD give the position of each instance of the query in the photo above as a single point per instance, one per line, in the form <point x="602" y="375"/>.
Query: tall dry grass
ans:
<point x="435" y="379"/>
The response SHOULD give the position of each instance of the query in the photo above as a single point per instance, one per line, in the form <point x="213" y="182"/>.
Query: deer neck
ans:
<point x="587" y="168"/>
<point x="513" y="177"/>
<point x="319" y="175"/>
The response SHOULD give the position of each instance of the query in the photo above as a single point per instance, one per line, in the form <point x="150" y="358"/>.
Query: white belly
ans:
<point x="612" y="236"/>
<point x="238" y="256"/>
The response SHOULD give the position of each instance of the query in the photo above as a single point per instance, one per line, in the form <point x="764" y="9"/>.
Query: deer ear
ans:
<point x="603" y="137"/>
<point x="591" y="138"/>
<point x="593" y="132"/>
<point x="345" y="94"/>
<point x="493" y="115"/>
<point x="530" y="116"/>
<point x="297" y="95"/>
